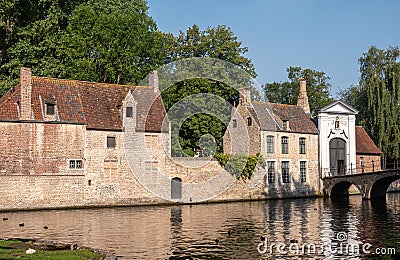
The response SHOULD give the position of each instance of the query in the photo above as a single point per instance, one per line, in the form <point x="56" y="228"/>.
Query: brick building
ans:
<point x="368" y="155"/>
<point x="70" y="143"/>
<point x="285" y="135"/>
<point x="62" y="141"/>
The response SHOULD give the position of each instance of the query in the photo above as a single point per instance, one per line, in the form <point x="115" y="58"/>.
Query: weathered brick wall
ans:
<point x="41" y="191"/>
<point x="31" y="148"/>
<point x="36" y="174"/>
<point x="371" y="163"/>
<point x="112" y="181"/>
<point x="241" y="138"/>
<point x="295" y="187"/>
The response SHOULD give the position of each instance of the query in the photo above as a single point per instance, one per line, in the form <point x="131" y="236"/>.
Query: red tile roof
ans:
<point x="8" y="104"/>
<point x="364" y="143"/>
<point x="271" y="117"/>
<point x="94" y="104"/>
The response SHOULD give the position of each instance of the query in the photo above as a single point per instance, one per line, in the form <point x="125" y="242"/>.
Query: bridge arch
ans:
<point x="341" y="189"/>
<point x="379" y="187"/>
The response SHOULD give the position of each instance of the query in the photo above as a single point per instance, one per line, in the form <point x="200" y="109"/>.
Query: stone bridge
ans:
<point x="371" y="185"/>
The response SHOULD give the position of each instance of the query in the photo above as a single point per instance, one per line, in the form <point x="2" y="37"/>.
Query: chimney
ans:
<point x="26" y="94"/>
<point x="153" y="81"/>
<point x="302" y="100"/>
<point x="245" y="95"/>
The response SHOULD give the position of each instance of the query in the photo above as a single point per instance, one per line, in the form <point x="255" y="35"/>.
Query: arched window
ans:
<point x="176" y="188"/>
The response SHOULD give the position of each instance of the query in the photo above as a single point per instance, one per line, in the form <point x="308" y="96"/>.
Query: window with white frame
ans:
<point x="285" y="144"/>
<point x="75" y="164"/>
<point x="271" y="172"/>
<point x="270" y="144"/>
<point x="285" y="172"/>
<point x="302" y="145"/>
<point x="303" y="171"/>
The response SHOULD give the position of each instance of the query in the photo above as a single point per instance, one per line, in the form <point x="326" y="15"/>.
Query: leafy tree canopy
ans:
<point x="220" y="43"/>
<point x="377" y="98"/>
<point x="104" y="41"/>
<point x="30" y="33"/>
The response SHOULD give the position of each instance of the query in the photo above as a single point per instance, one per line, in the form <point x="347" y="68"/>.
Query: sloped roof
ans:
<point x="364" y="143"/>
<point x="271" y="117"/>
<point x="94" y="104"/>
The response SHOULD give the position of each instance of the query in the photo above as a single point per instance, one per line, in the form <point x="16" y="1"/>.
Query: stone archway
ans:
<point x="337" y="156"/>
<point x="380" y="186"/>
<point x="341" y="189"/>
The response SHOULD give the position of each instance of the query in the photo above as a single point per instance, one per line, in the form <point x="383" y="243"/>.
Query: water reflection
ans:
<point x="223" y="231"/>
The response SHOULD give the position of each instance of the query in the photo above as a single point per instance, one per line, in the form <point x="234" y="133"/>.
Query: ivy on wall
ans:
<point x="241" y="166"/>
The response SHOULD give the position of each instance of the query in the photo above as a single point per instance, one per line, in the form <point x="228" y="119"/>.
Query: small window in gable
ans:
<point x="129" y="112"/>
<point x="111" y="141"/>
<point x="234" y="123"/>
<point x="249" y="121"/>
<point x="50" y="109"/>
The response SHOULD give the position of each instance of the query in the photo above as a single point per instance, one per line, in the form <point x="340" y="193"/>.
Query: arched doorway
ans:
<point x="337" y="156"/>
<point x="176" y="188"/>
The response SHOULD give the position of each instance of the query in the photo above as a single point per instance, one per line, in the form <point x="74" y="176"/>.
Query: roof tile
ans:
<point x="91" y="103"/>
<point x="364" y="143"/>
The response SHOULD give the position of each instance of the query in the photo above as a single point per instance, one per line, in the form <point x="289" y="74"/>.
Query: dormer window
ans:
<point x="50" y="109"/>
<point x="129" y="112"/>
<point x="285" y="125"/>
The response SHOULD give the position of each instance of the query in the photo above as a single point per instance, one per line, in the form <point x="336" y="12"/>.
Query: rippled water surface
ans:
<point x="220" y="231"/>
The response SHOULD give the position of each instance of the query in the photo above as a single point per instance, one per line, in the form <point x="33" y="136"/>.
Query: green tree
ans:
<point x="318" y="88"/>
<point x="377" y="98"/>
<point x="30" y="33"/>
<point x="113" y="41"/>
<point x="219" y="43"/>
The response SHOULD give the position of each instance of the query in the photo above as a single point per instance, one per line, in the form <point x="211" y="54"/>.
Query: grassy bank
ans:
<point x="16" y="249"/>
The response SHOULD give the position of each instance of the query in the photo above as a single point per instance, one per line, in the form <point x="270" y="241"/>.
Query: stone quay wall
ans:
<point x="35" y="170"/>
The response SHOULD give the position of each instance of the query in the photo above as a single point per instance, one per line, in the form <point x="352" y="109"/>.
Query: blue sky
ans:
<point x="328" y="36"/>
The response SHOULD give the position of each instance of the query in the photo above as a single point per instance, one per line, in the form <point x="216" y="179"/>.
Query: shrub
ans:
<point x="241" y="166"/>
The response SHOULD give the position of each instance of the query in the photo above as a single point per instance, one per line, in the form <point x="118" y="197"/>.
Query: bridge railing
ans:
<point x="392" y="165"/>
<point x="330" y="172"/>
<point x="364" y="167"/>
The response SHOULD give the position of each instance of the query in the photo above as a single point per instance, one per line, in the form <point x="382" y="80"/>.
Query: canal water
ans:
<point x="276" y="229"/>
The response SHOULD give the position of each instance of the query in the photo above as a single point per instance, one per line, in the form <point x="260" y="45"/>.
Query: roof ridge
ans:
<point x="272" y="103"/>
<point x="101" y="84"/>
<point x="285" y="105"/>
